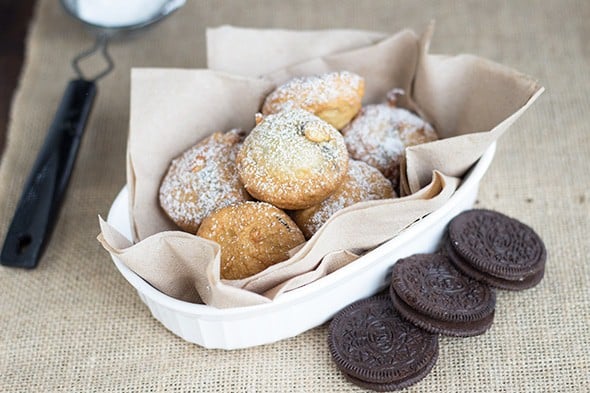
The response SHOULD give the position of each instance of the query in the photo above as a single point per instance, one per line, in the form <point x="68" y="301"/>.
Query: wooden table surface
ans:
<point x="14" y="20"/>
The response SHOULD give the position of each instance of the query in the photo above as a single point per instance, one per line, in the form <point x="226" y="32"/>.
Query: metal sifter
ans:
<point x="45" y="187"/>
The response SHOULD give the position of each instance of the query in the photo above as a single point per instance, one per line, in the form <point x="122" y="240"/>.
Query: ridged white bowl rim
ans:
<point x="335" y="278"/>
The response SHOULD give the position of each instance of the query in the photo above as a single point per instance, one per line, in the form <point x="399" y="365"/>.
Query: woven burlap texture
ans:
<point x="74" y="324"/>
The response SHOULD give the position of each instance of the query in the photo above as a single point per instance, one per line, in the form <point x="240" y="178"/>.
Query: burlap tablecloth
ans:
<point x="74" y="324"/>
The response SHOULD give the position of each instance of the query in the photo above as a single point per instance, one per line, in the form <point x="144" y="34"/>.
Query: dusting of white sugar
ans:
<point x="308" y="92"/>
<point x="380" y="134"/>
<point x="203" y="179"/>
<point x="116" y="13"/>
<point x="292" y="158"/>
<point x="362" y="183"/>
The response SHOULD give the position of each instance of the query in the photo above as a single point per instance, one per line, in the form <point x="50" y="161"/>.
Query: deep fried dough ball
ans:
<point x="292" y="160"/>
<point x="204" y="178"/>
<point x="252" y="236"/>
<point x="362" y="183"/>
<point x="334" y="97"/>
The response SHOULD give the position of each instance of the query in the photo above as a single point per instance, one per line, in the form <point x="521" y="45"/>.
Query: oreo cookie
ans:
<point x="402" y="384"/>
<point x="496" y="249"/>
<point x="377" y="349"/>
<point x="431" y="293"/>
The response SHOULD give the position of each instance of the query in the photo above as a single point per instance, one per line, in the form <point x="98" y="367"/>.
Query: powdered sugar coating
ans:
<point x="252" y="236"/>
<point x="334" y="97"/>
<point x="380" y="133"/>
<point x="203" y="179"/>
<point x="362" y="183"/>
<point x="292" y="160"/>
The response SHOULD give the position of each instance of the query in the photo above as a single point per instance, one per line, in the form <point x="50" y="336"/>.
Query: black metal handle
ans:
<point x="41" y="199"/>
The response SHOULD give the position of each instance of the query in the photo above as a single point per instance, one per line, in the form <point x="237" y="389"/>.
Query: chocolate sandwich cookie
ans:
<point x="431" y="293"/>
<point x="496" y="249"/>
<point x="389" y="387"/>
<point x="377" y="349"/>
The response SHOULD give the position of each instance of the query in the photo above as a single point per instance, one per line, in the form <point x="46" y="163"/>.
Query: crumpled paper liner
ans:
<point x="177" y="262"/>
<point x="471" y="102"/>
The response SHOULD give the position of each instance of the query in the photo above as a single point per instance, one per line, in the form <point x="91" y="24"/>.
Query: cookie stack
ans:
<point x="496" y="249"/>
<point x="377" y="349"/>
<point x="430" y="292"/>
<point x="447" y="293"/>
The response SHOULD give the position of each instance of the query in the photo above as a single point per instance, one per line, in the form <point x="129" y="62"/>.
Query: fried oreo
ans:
<point x="377" y="349"/>
<point x="496" y="249"/>
<point x="431" y="293"/>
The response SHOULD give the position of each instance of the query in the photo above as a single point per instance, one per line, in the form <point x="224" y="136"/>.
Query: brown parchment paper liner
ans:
<point x="471" y="101"/>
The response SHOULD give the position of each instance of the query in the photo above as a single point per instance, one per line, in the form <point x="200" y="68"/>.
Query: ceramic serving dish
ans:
<point x="304" y="308"/>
